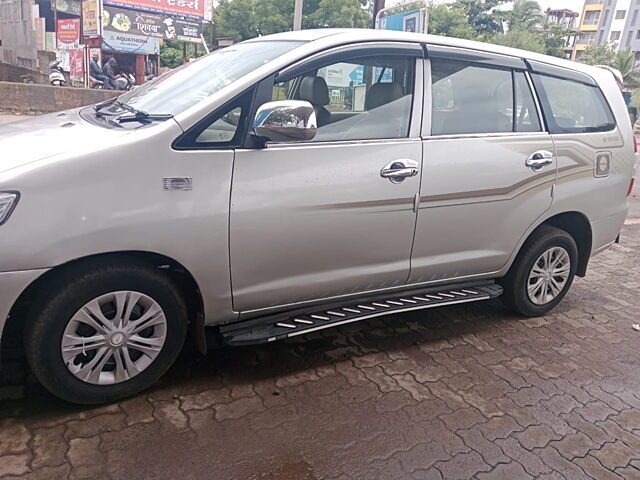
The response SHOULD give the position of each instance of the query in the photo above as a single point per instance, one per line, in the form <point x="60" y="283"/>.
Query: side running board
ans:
<point x="301" y="321"/>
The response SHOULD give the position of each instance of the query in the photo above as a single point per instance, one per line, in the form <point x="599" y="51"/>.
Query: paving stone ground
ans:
<point x="454" y="393"/>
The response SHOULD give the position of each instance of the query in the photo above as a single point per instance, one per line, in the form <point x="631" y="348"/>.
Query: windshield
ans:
<point x="183" y="87"/>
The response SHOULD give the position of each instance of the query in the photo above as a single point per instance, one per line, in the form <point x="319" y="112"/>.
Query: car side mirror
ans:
<point x="285" y="121"/>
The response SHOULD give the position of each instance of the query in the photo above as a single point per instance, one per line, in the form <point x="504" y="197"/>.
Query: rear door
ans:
<point x="488" y="165"/>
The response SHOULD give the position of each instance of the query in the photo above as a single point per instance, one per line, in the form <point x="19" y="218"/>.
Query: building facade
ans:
<point x="609" y="21"/>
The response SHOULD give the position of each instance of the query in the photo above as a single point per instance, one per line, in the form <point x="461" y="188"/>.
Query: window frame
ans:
<point x="481" y="59"/>
<point x="343" y="53"/>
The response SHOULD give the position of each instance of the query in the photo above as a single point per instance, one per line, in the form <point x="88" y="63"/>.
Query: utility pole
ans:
<point x="297" y="15"/>
<point x="377" y="6"/>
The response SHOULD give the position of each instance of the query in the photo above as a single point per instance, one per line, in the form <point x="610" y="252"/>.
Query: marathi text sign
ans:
<point x="125" y="42"/>
<point x="150" y="24"/>
<point x="193" y="8"/>
<point x="68" y="33"/>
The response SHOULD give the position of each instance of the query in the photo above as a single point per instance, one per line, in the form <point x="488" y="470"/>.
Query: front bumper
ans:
<point x="12" y="284"/>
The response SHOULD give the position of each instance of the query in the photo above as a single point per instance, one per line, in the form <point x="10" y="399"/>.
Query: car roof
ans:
<point x="340" y="36"/>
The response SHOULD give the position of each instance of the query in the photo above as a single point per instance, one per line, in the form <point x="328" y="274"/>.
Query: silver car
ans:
<point x="297" y="182"/>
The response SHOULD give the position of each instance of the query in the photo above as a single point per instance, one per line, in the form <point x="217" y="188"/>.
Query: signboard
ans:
<point x="126" y="42"/>
<point x="76" y="63"/>
<point x="134" y="22"/>
<point x="68" y="33"/>
<point x="409" y="21"/>
<point x="72" y="7"/>
<point x="90" y="18"/>
<point x="192" y="8"/>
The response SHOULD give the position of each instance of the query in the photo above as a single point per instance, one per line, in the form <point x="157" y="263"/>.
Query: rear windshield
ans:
<point x="185" y="86"/>
<point x="575" y="107"/>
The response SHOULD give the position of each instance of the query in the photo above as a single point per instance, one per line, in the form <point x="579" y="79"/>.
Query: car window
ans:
<point x="468" y="98"/>
<point x="362" y="98"/>
<point x="223" y="129"/>
<point x="526" y="114"/>
<point x="574" y="107"/>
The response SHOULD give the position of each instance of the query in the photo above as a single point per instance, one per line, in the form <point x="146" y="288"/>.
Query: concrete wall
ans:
<point x="29" y="98"/>
<point x="15" y="73"/>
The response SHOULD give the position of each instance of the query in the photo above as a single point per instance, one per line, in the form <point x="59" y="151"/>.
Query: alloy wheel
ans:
<point x="549" y="275"/>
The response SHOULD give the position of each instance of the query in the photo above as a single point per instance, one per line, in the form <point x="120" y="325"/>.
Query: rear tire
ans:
<point x="101" y="309"/>
<point x="542" y="273"/>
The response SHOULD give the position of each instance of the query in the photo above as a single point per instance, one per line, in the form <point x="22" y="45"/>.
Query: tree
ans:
<point x="340" y="14"/>
<point x="625" y="63"/>
<point x="484" y="21"/>
<point x="555" y="37"/>
<point x="450" y="21"/>
<point x="236" y="19"/>
<point x="525" y="14"/>
<point x="599" y="54"/>
<point x="524" y="39"/>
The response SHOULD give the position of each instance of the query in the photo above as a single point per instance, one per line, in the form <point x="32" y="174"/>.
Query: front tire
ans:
<point x="106" y="330"/>
<point x="542" y="272"/>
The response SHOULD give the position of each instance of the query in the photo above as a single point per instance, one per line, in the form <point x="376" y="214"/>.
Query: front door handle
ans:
<point x="539" y="159"/>
<point x="398" y="170"/>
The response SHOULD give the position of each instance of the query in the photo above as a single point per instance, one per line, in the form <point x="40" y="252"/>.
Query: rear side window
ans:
<point x="469" y="98"/>
<point x="573" y="107"/>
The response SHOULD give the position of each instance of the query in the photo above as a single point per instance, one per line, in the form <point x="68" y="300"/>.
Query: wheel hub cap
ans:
<point x="548" y="276"/>
<point x="114" y="337"/>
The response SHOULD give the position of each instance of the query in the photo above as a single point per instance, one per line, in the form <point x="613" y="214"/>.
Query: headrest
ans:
<point x="315" y="91"/>
<point x="382" y="93"/>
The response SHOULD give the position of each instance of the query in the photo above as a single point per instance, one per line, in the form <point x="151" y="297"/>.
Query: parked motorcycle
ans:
<point x="124" y="81"/>
<point x="56" y="75"/>
<point x="95" y="83"/>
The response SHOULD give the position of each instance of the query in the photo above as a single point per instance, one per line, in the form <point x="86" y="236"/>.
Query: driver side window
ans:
<point x="358" y="99"/>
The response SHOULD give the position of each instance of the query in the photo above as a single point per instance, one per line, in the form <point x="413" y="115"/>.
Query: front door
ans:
<point x="488" y="166"/>
<point x="321" y="219"/>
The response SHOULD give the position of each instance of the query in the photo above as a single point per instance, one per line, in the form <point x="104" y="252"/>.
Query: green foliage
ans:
<point x="340" y="14"/>
<point x="604" y="54"/>
<point x="481" y="15"/>
<point x="524" y="39"/>
<point x="524" y="15"/>
<point x="625" y="63"/>
<point x="449" y="21"/>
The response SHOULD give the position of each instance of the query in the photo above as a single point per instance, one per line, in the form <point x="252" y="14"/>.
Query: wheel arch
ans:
<point x="575" y="224"/>
<point x="12" y="332"/>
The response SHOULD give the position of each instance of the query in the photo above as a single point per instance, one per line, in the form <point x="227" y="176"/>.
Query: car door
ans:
<point x="321" y="219"/>
<point x="488" y="165"/>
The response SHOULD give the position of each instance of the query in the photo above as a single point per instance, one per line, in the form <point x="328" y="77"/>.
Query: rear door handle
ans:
<point x="398" y="170"/>
<point x="539" y="159"/>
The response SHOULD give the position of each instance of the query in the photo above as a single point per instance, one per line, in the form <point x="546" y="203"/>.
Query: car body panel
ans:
<point x="87" y="190"/>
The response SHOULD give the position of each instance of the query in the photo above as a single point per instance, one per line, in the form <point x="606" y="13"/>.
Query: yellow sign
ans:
<point x="90" y="18"/>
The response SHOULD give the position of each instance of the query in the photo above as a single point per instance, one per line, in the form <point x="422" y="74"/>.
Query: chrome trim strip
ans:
<point x="320" y="317"/>
<point x="482" y="135"/>
<point x="374" y="141"/>
<point x="543" y="125"/>
<point x="331" y="312"/>
<point x="351" y="310"/>
<point x="383" y="313"/>
<point x="300" y="320"/>
<point x="285" y="325"/>
<point x="365" y="307"/>
<point x="380" y="305"/>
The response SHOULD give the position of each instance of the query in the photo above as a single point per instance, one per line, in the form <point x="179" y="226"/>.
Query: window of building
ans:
<point x="605" y="16"/>
<point x="358" y="99"/>
<point x="635" y="18"/>
<point x="591" y="17"/>
<point x="638" y="34"/>
<point x="629" y="37"/>
<point x="620" y="14"/>
<point x="574" y="107"/>
<point x="615" y="36"/>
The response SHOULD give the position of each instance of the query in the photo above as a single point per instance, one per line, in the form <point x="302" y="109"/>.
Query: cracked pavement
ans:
<point x="470" y="391"/>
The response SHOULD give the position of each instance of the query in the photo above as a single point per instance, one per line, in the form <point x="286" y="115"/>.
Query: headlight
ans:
<point x="8" y="202"/>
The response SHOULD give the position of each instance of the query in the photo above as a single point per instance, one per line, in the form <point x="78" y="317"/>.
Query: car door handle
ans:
<point x="398" y="170"/>
<point x="539" y="159"/>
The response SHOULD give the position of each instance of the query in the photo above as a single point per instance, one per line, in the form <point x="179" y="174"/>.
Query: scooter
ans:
<point x="56" y="75"/>
<point x="95" y="83"/>
<point x="124" y="81"/>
